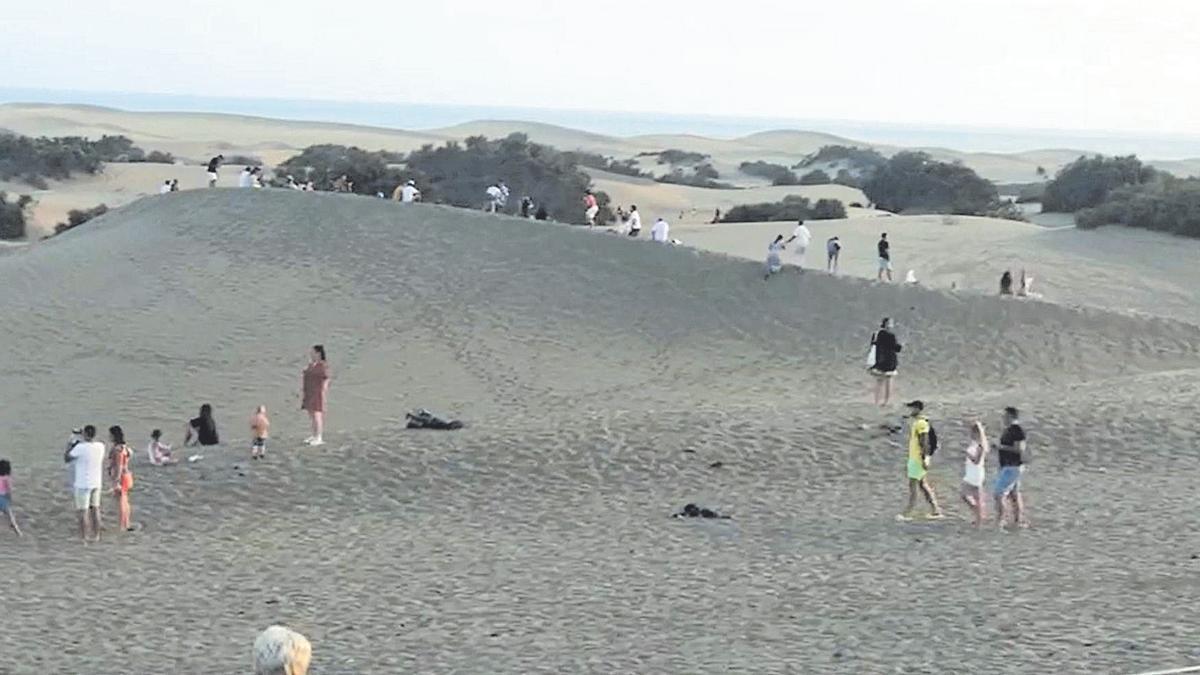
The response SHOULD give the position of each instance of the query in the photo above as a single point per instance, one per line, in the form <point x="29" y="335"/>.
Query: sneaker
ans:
<point x="316" y="442"/>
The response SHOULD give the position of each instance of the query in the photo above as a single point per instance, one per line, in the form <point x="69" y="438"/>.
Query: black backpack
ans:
<point x="933" y="441"/>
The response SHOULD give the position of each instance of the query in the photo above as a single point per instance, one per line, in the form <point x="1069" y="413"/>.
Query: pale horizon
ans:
<point x="1071" y="66"/>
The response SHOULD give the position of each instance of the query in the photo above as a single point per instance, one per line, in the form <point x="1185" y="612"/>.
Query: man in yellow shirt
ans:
<point x="919" y="450"/>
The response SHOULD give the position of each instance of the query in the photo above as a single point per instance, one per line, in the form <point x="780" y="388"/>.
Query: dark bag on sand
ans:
<point x="423" y="419"/>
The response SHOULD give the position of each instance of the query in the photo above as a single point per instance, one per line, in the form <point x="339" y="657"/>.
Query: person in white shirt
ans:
<point x="410" y="193"/>
<point x="660" y="231"/>
<point x="773" y="252"/>
<point x="165" y="188"/>
<point x="803" y="237"/>
<point x="635" y="222"/>
<point x="497" y="197"/>
<point x="87" y="458"/>
<point x="246" y="178"/>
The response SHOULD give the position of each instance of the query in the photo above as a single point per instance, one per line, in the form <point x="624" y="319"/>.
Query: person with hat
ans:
<point x="920" y="449"/>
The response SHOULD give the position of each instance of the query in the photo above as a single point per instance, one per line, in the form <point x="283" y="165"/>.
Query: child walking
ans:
<point x="260" y="429"/>
<point x="121" y="475"/>
<point x="6" y="494"/>
<point x="972" y="483"/>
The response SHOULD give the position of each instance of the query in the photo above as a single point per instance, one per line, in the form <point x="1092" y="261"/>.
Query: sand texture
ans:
<point x="602" y="380"/>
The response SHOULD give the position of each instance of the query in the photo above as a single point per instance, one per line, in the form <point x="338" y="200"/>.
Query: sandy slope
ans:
<point x="601" y="378"/>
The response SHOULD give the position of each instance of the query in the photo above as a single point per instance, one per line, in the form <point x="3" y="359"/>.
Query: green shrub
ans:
<point x="242" y="160"/>
<point x="776" y="173"/>
<point x="1167" y="204"/>
<point x="323" y="164"/>
<point x="862" y="159"/>
<point x="1087" y="181"/>
<point x="913" y="182"/>
<point x="793" y="207"/>
<point x="156" y="157"/>
<point x="844" y="177"/>
<point x="676" y="157"/>
<point x="703" y="176"/>
<point x="76" y="217"/>
<point x="593" y="160"/>
<point x="816" y="177"/>
<point x="828" y="209"/>
<point x="12" y="216"/>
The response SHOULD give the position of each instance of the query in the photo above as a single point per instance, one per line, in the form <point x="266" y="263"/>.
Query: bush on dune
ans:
<point x="913" y="182"/>
<point x="828" y="209"/>
<point x="323" y="164"/>
<point x="676" y="157"/>
<point x="242" y="160"/>
<point x="1087" y="181"/>
<point x="594" y="160"/>
<point x="862" y="159"/>
<point x="793" y="207"/>
<point x="816" y="177"/>
<point x="77" y="217"/>
<point x="778" y="174"/>
<point x="36" y="160"/>
<point x="1167" y="204"/>
<point x="459" y="174"/>
<point x="12" y="216"/>
<point x="704" y="176"/>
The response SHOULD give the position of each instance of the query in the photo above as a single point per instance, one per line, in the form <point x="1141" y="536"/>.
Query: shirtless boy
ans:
<point x="260" y="428"/>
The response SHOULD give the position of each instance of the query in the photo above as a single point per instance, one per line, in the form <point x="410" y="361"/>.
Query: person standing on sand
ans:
<point x="885" y="361"/>
<point x="1006" y="282"/>
<point x="87" y="458"/>
<point x="833" y="251"/>
<point x="314" y="392"/>
<point x="214" y="166"/>
<point x="774" y="250"/>
<point x="174" y="185"/>
<point x="972" y="482"/>
<point x="885" y="257"/>
<point x="590" y="208"/>
<point x="6" y="495"/>
<point x="919" y="452"/>
<point x="165" y="187"/>
<point x="1012" y="456"/>
<point x="202" y="430"/>
<point x="635" y="221"/>
<point x="803" y="237"/>
<point x="246" y="178"/>
<point x="121" y="476"/>
<point x="260" y="430"/>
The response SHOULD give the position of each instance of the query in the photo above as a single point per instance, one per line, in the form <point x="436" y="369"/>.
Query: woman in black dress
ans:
<point x="885" y="362"/>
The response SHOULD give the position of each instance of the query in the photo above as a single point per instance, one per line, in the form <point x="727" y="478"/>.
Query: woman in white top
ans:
<point x="972" y="483"/>
<point x="773" y="262"/>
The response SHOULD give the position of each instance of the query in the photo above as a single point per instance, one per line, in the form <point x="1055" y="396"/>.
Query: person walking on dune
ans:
<point x="833" y="251"/>
<point x="260" y="430"/>
<point x="590" y="208"/>
<point x="87" y="459"/>
<point x="314" y="392"/>
<point x="885" y="257"/>
<point x="920" y="450"/>
<point x="214" y="166"/>
<point x="774" y="252"/>
<point x="973" y="473"/>
<point x="121" y="476"/>
<point x="6" y="506"/>
<point x="635" y="221"/>
<point x="803" y="237"/>
<point x="884" y="361"/>
<point x="1012" y="457"/>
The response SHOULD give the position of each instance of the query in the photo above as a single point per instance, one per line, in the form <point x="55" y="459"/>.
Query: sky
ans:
<point x="1045" y="64"/>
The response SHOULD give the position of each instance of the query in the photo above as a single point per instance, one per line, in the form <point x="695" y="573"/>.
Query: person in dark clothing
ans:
<point x="1012" y="455"/>
<point x="541" y="214"/>
<point x="526" y="207"/>
<point x="213" y="165"/>
<point x="885" y="257"/>
<point x="885" y="361"/>
<point x="1006" y="281"/>
<point x="202" y="430"/>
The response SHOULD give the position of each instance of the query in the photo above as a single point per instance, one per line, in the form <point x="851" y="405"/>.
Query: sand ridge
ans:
<point x="601" y="379"/>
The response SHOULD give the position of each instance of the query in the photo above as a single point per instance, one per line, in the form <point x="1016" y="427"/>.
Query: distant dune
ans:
<point x="605" y="382"/>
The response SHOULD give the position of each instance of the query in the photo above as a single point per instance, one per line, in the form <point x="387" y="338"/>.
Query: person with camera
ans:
<point x="86" y="456"/>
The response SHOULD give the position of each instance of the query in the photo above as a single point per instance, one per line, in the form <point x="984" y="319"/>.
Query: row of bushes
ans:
<point x="914" y="182"/>
<point x="594" y="160"/>
<point x="1166" y="204"/>
<point x="860" y="159"/>
<point x="793" y="207"/>
<point x="1087" y="181"/>
<point x="36" y="160"/>
<point x="703" y="175"/>
<point x="676" y="157"/>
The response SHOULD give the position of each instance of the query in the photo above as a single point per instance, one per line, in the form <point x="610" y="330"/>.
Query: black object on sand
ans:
<point x="693" y="511"/>
<point x="423" y="419"/>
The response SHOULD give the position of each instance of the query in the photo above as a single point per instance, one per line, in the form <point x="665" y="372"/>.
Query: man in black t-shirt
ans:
<point x="1012" y="456"/>
<point x="885" y="257"/>
<point x="213" y="165"/>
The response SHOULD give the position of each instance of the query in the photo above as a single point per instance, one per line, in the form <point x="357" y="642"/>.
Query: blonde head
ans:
<point x="281" y="651"/>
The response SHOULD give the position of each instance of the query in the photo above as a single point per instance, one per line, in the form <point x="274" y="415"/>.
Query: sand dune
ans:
<point x="601" y="378"/>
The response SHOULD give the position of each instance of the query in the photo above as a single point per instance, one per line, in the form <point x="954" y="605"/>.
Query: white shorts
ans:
<point x="591" y="213"/>
<point x="212" y="175"/>
<point x="885" y="265"/>
<point x="87" y="497"/>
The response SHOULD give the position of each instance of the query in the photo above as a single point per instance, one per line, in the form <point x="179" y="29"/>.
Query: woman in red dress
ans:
<point x="315" y="389"/>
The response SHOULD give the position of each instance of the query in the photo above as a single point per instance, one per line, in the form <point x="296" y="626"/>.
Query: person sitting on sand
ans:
<point x="973" y="472"/>
<point x="660" y="231"/>
<point x="635" y="221"/>
<point x="885" y="361"/>
<point x="202" y="430"/>
<point x="158" y="452"/>
<point x="774" y="264"/>
<point x="1006" y="282"/>
<point x="260" y="430"/>
<point x="919" y="452"/>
